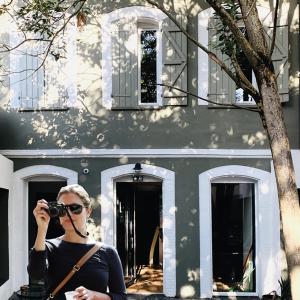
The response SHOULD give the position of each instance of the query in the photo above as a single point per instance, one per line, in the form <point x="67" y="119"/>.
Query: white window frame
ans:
<point x="139" y="13"/>
<point x="267" y="246"/>
<point x="158" y="60"/>
<point x="71" y="70"/>
<point x="265" y="15"/>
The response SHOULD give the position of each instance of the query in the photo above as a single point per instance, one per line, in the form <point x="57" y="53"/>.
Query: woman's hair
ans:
<point x="77" y="190"/>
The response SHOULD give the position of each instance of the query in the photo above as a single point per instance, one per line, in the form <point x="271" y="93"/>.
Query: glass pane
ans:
<point x="148" y="66"/>
<point x="233" y="240"/>
<point x="240" y="95"/>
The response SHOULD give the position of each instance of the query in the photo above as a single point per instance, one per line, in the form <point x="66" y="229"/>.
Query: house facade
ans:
<point x="176" y="183"/>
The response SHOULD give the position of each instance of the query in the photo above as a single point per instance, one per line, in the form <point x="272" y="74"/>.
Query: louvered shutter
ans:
<point x="280" y="59"/>
<point x="174" y="58"/>
<point x="221" y="88"/>
<point x="59" y="70"/>
<point x="49" y="85"/>
<point x="31" y="77"/>
<point x="124" y="64"/>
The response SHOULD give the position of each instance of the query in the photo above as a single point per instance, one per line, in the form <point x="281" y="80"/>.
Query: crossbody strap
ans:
<point x="75" y="268"/>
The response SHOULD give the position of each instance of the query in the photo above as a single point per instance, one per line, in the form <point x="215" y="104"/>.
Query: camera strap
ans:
<point x="75" y="269"/>
<point x="76" y="230"/>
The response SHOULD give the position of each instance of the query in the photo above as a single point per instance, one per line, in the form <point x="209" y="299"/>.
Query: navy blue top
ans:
<point x="102" y="272"/>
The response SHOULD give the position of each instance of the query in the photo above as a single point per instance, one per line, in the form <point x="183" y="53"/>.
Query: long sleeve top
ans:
<point x="102" y="272"/>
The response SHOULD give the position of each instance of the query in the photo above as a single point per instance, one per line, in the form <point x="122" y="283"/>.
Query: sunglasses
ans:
<point x="73" y="208"/>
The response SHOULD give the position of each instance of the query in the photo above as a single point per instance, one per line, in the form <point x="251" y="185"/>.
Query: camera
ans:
<point x="56" y="210"/>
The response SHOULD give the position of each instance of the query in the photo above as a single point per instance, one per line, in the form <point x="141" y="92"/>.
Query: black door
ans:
<point x="47" y="190"/>
<point x="138" y="216"/>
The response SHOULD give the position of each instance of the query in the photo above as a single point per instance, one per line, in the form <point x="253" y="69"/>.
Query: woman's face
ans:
<point x="79" y="220"/>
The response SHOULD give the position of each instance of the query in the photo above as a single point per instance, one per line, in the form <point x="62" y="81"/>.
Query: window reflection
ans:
<point x="233" y="241"/>
<point x="148" y="66"/>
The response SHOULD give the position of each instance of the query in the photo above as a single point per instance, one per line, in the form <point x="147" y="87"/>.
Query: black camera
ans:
<point x="56" y="210"/>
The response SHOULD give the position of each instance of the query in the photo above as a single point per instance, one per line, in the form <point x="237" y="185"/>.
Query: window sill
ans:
<point x="148" y="107"/>
<point x="247" y="105"/>
<point x="43" y="109"/>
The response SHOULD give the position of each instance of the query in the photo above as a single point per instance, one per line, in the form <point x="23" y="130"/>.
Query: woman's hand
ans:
<point x="41" y="216"/>
<point x="83" y="293"/>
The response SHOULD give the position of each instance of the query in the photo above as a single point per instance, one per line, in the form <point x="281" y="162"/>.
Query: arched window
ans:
<point x="215" y="84"/>
<point x="238" y="247"/>
<point x="142" y="49"/>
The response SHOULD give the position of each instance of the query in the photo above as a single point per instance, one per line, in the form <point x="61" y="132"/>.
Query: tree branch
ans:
<point x="226" y="19"/>
<point x="210" y="101"/>
<point x="238" y="70"/>
<point x="274" y="30"/>
<point x="57" y="33"/>
<point x="239" y="82"/>
<point x="250" y="9"/>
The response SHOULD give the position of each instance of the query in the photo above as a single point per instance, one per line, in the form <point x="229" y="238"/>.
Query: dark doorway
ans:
<point x="139" y="243"/>
<point x="233" y="241"/>
<point x="47" y="190"/>
<point x="4" y="259"/>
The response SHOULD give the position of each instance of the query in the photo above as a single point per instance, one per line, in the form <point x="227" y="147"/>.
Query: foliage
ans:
<point x="226" y="41"/>
<point x="47" y="17"/>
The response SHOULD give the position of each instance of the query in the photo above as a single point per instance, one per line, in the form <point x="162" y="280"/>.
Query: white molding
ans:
<point x="108" y="213"/>
<point x="267" y="237"/>
<point x="6" y="179"/>
<point x="296" y="163"/>
<point x="19" y="209"/>
<point x="106" y="26"/>
<point x="113" y="153"/>
<point x="203" y="65"/>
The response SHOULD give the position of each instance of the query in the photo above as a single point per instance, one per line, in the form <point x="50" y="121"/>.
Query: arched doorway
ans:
<point x="19" y="213"/>
<point x="114" y="184"/>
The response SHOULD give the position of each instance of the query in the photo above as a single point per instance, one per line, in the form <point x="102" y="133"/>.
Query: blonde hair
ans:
<point x="77" y="190"/>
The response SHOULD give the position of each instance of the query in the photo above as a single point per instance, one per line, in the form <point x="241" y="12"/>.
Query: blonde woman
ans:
<point x="100" y="278"/>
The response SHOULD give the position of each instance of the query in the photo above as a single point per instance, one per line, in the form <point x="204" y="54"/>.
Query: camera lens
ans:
<point x="56" y="209"/>
<point x="53" y="211"/>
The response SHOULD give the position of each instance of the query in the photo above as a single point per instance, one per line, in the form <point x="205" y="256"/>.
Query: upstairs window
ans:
<point x="240" y="95"/>
<point x="215" y="85"/>
<point x="148" y="61"/>
<point x="142" y="49"/>
<point x="44" y="85"/>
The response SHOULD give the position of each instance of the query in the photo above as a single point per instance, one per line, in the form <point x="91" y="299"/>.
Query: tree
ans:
<point x="267" y="99"/>
<point x="49" y="18"/>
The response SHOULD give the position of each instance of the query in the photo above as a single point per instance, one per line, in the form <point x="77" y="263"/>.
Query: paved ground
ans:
<point x="149" y="281"/>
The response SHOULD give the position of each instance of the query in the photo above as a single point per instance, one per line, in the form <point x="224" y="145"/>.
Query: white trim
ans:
<point x="203" y="65"/>
<point x="267" y="237"/>
<point x="106" y="63"/>
<point x="296" y="163"/>
<point x="19" y="208"/>
<point x="6" y="166"/>
<point x="108" y="220"/>
<point x="112" y="153"/>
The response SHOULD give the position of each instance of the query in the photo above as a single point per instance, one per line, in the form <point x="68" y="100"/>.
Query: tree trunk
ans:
<point x="285" y="175"/>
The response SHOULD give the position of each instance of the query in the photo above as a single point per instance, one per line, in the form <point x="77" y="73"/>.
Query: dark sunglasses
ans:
<point x="73" y="208"/>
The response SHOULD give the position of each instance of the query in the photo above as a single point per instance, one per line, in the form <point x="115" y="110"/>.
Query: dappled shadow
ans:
<point x="92" y="126"/>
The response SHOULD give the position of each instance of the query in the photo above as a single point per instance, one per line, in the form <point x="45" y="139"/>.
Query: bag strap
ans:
<point x="75" y="268"/>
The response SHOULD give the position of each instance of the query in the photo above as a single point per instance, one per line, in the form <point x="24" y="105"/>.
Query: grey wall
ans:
<point x="93" y="126"/>
<point x="186" y="198"/>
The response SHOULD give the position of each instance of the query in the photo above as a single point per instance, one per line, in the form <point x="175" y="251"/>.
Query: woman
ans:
<point x="53" y="259"/>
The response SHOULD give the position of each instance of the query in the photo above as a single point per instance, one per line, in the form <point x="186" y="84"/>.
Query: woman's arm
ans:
<point x="38" y="258"/>
<point x="116" y="284"/>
